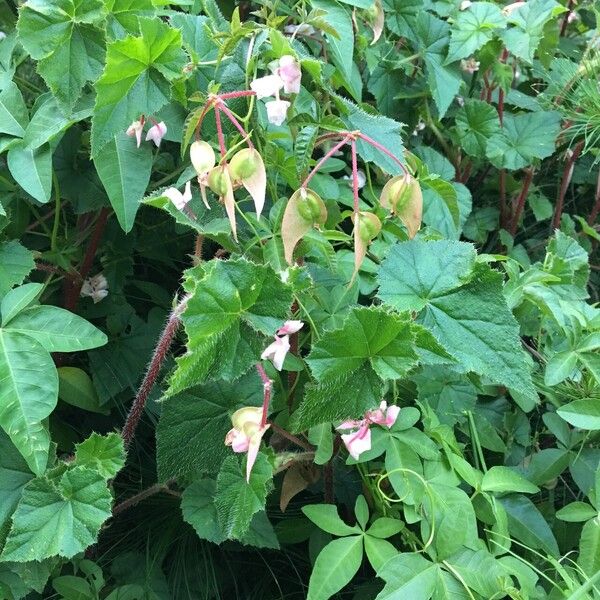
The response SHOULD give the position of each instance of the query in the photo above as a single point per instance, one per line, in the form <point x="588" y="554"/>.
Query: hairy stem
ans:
<point x="220" y="135"/>
<point x="134" y="500"/>
<point x="236" y="124"/>
<point x="564" y="184"/>
<point x="355" y="178"/>
<point x="267" y="387"/>
<point x="158" y="357"/>
<point x="596" y="208"/>
<point x="521" y="201"/>
<point x="323" y="160"/>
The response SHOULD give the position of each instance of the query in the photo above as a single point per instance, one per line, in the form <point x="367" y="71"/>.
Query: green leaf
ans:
<point x="476" y="123"/>
<point x="481" y="572"/>
<point x="523" y="138"/>
<point x="560" y="367"/>
<point x="18" y="299"/>
<point x="546" y="465"/>
<point x="65" y="38"/>
<point x="385" y="527"/>
<point x="589" y="548"/>
<point x="303" y="148"/>
<point x="504" y="479"/>
<point x="124" y="170"/>
<point x="326" y="517"/>
<point x="198" y="508"/>
<point x="474" y="27"/>
<point x="32" y="170"/>
<point x="193" y="425"/>
<point x="14" y="474"/>
<point x="408" y="575"/>
<point x="28" y="394"/>
<point x="236" y="499"/>
<point x="335" y="566"/>
<point x="104" y="454"/>
<point x="462" y="305"/>
<point x="136" y="80"/>
<point x="351" y="363"/>
<point x="123" y="15"/>
<point x="527" y="524"/>
<point x="15" y="264"/>
<point x="583" y="413"/>
<point x="576" y="512"/>
<point x="400" y="16"/>
<point x="58" y="517"/>
<point x="75" y="387"/>
<point x="14" y="115"/>
<point x="57" y="329"/>
<point x="378" y="551"/>
<point x="322" y="437"/>
<point x="231" y="301"/>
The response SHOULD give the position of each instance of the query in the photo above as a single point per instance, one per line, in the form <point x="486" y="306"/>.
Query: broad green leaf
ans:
<point x="576" y="512"/>
<point x="400" y="16"/>
<point x="523" y="138"/>
<point x="15" y="264"/>
<point x="441" y="209"/>
<point x="123" y="15"/>
<point x="14" y="474"/>
<point x="198" y="508"/>
<point x="462" y="305"/>
<point x="529" y="20"/>
<point x="136" y="79"/>
<point x="32" y="170"/>
<point x="124" y="170"/>
<point x="103" y="454"/>
<point x="322" y="437"/>
<point x="351" y="363"/>
<point x="560" y="366"/>
<point x="408" y="575"/>
<point x="14" y="115"/>
<point x="237" y="500"/>
<point x="28" y="394"/>
<point x="326" y="517"/>
<point x="193" y="425"/>
<point x="335" y="566"/>
<point x="546" y="465"/>
<point x="527" y="524"/>
<point x="58" y="517"/>
<point x="504" y="479"/>
<point x="75" y="387"/>
<point x="589" y="547"/>
<point x="583" y="413"/>
<point x="57" y="329"/>
<point x="69" y="586"/>
<point x="231" y="301"/>
<point x="476" y="123"/>
<point x="385" y="527"/>
<point x="378" y="551"/>
<point x="481" y="572"/>
<point x="474" y="27"/>
<point x="65" y="37"/>
<point x="18" y="299"/>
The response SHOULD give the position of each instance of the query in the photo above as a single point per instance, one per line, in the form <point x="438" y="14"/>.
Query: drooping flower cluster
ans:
<point x="277" y="351"/>
<point x="286" y="74"/>
<point x="155" y="133"/>
<point x="359" y="438"/>
<point x="95" y="287"/>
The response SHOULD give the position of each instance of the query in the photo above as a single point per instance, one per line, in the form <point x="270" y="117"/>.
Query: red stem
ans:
<point x="236" y="124"/>
<point x="204" y="112"/>
<point x="267" y="386"/>
<point x="564" y="184"/>
<point x="220" y="132"/>
<point x="504" y="216"/>
<point x="596" y="208"/>
<point x="238" y="94"/>
<point x="323" y="160"/>
<point x="521" y="201"/>
<point x="565" y="21"/>
<point x="355" y="177"/>
<point x="160" y="353"/>
<point x="381" y="148"/>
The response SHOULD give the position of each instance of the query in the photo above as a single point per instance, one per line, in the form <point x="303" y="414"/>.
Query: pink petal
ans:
<point x="253" y="450"/>
<point x="391" y="415"/>
<point x="277" y="111"/>
<point x="350" y="424"/>
<point x="266" y="86"/>
<point x="276" y="351"/>
<point x="290" y="74"/>
<point x="359" y="442"/>
<point x="290" y="327"/>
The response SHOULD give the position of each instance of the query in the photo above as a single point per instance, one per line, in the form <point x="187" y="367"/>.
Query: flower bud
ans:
<point x="217" y="181"/>
<point x="243" y="164"/>
<point x="202" y="156"/>
<point x="310" y="206"/>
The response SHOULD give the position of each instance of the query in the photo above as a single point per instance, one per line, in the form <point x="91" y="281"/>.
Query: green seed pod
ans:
<point x="217" y="181"/>
<point x="243" y="164"/>
<point x="311" y="207"/>
<point x="368" y="226"/>
<point x="202" y="156"/>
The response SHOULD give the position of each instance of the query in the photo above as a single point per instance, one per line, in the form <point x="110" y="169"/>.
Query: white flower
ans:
<point x="362" y="179"/>
<point x="290" y="73"/>
<point x="156" y="133"/>
<point x="2" y="35"/>
<point x="95" y="287"/>
<point x="465" y="4"/>
<point x="302" y="29"/>
<point x="509" y="8"/>
<point x="277" y="111"/>
<point x="276" y="352"/>
<point x="136" y="129"/>
<point x="266" y="86"/>
<point x="177" y="198"/>
<point x="470" y="65"/>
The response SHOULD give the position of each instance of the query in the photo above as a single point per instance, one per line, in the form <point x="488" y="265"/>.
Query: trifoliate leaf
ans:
<point x="58" y="517"/>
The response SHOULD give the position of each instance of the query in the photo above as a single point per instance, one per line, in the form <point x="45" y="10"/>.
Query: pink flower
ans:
<point x="470" y="65"/>
<point x="277" y="351"/>
<point x="290" y="327"/>
<point x="290" y="73"/>
<point x="359" y="441"/>
<point x="136" y="129"/>
<point x="95" y="287"/>
<point x="266" y="86"/>
<point x="277" y="111"/>
<point x="156" y="133"/>
<point x="177" y="198"/>
<point x="246" y="434"/>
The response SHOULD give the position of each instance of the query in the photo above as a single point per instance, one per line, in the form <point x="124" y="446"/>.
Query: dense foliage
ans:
<point x="299" y="299"/>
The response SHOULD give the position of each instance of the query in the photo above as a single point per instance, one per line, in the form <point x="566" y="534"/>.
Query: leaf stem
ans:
<point x="324" y="159"/>
<point x="236" y="124"/>
<point x="220" y="135"/>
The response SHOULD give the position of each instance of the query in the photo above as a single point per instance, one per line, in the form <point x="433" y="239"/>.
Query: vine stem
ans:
<point x="564" y="184"/>
<point x="160" y="353"/>
<point x="521" y="201"/>
<point x="596" y="208"/>
<point x="324" y="159"/>
<point x="267" y="388"/>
